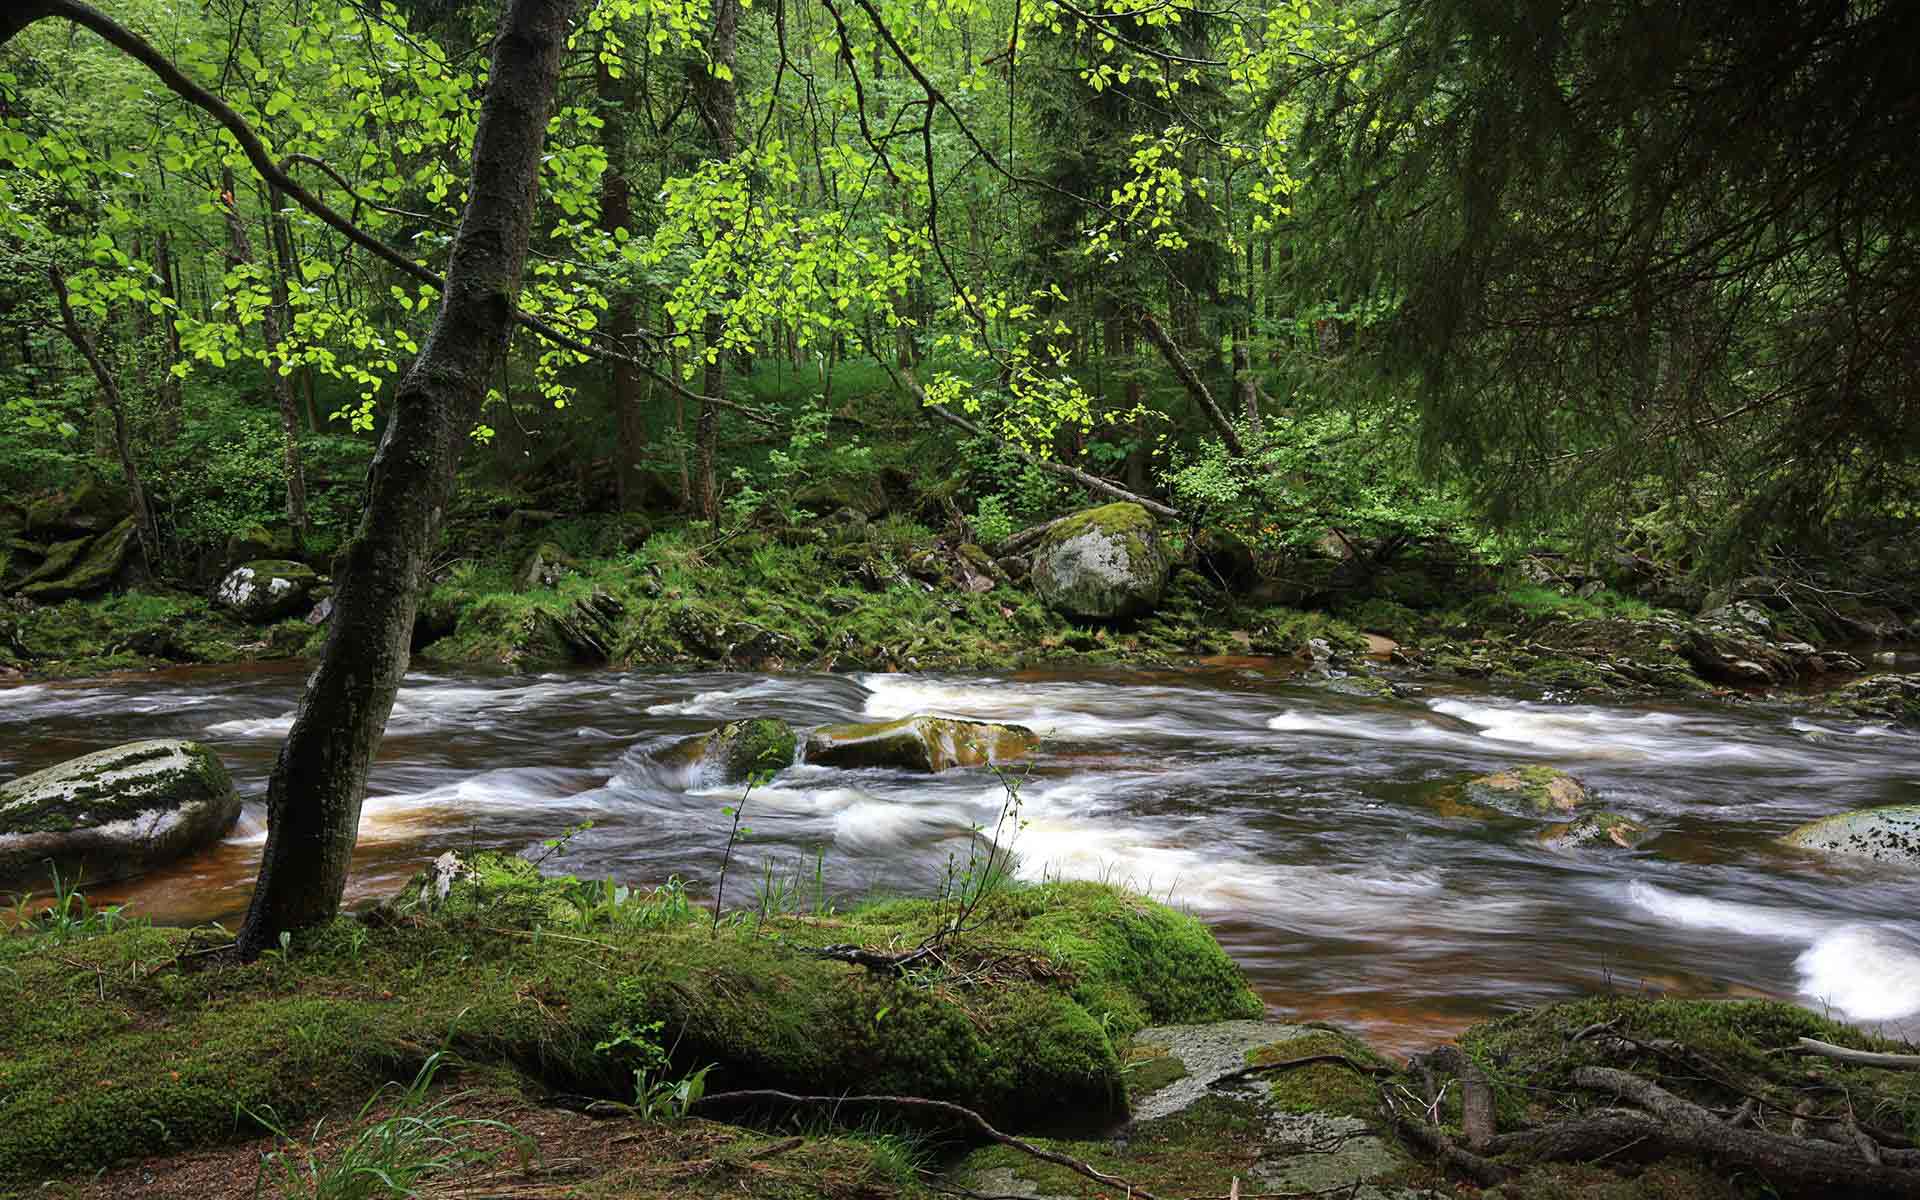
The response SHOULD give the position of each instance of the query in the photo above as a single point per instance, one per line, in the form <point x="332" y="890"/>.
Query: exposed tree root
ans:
<point x="946" y="1110"/>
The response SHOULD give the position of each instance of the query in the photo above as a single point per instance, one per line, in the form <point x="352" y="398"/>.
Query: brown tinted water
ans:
<point x="1303" y="826"/>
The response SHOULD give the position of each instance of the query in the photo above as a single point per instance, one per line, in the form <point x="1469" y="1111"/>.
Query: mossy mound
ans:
<point x="576" y="986"/>
<point x="137" y="629"/>
<point x="114" y="813"/>
<point x="928" y="744"/>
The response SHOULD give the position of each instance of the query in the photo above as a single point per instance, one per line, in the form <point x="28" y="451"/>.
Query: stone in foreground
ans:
<point x="1103" y="564"/>
<point x="1888" y="834"/>
<point x="1197" y="1132"/>
<point x="266" y="589"/>
<point x="929" y="744"/>
<point x="114" y="813"/>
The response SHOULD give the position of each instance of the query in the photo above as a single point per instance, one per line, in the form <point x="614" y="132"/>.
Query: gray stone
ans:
<point x="114" y="813"/>
<point x="1890" y="833"/>
<point x="266" y="589"/>
<point x="1103" y="564"/>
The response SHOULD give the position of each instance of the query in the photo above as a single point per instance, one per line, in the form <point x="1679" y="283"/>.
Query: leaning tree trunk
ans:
<point x="320" y="779"/>
<point x="117" y="412"/>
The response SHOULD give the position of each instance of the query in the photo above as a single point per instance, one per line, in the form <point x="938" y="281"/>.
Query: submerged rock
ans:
<point x="1531" y="791"/>
<point x="738" y="749"/>
<point x="927" y="744"/>
<point x="91" y="572"/>
<point x="1103" y="564"/>
<point x="1890" y="833"/>
<point x="1600" y="829"/>
<point x="266" y="589"/>
<point x="114" y="813"/>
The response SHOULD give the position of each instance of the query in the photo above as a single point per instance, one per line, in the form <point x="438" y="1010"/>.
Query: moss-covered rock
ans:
<point x="1103" y="564"/>
<point x="58" y="559"/>
<point x="738" y="750"/>
<point x="257" y="542"/>
<point x="1533" y="790"/>
<point x="92" y="507"/>
<point x="576" y="985"/>
<point x="923" y="743"/>
<point x="91" y="572"/>
<point x="114" y="813"/>
<point x="1890" y="833"/>
<point x="266" y="589"/>
<point x="1884" y="697"/>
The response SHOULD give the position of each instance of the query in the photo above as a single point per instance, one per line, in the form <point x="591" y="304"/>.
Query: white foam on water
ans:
<point x="1725" y="916"/>
<point x="1862" y="971"/>
<point x="21" y="694"/>
<point x="1803" y="726"/>
<point x="720" y="701"/>
<point x="1049" y="709"/>
<point x="1368" y="727"/>
<point x="252" y="727"/>
<point x="401" y="816"/>
<point x="1867" y="972"/>
<point x="873" y="825"/>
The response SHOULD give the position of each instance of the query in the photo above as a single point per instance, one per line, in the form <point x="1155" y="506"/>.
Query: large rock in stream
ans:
<point x="1890" y="833"/>
<point x="928" y="744"/>
<point x="266" y="589"/>
<point x="737" y="750"/>
<point x="114" y="813"/>
<point x="1103" y="564"/>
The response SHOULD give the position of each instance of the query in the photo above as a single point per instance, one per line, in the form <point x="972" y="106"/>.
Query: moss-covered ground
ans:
<point x="126" y="1044"/>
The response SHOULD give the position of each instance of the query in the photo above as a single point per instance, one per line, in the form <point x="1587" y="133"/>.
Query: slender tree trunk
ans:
<point x="717" y="101"/>
<point x="117" y="413"/>
<point x="320" y="779"/>
<point x="616" y="213"/>
<point x="240" y="252"/>
<point x="283" y="255"/>
<point x="168" y="271"/>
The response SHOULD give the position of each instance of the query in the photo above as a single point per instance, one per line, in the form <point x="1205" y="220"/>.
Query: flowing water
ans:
<point x="1307" y="828"/>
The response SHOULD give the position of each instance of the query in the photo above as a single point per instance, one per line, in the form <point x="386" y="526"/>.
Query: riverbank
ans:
<point x="548" y="591"/>
<point x="574" y="1039"/>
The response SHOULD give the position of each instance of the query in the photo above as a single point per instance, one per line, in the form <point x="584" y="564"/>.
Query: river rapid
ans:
<point x="1305" y="827"/>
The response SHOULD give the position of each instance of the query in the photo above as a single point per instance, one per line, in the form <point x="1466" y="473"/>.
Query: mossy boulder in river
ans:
<point x="738" y="749"/>
<point x="927" y="744"/>
<point x="265" y="589"/>
<point x="114" y="813"/>
<point x="1531" y="791"/>
<point x="1890" y="833"/>
<point x="1103" y="564"/>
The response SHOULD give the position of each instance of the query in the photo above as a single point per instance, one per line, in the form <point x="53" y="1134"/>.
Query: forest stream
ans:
<point x="1309" y="829"/>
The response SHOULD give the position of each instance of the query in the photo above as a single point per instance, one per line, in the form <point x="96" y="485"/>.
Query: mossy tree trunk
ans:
<point x="320" y="779"/>
<point x="616" y="214"/>
<point x="117" y="415"/>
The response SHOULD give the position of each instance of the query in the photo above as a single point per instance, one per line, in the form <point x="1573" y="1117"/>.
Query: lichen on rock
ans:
<point x="1534" y="790"/>
<point x="115" y="812"/>
<point x="1890" y="833"/>
<point x="266" y="589"/>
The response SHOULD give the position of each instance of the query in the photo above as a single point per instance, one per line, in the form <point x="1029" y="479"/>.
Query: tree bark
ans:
<point x="616" y="213"/>
<point x="110" y="395"/>
<point x="240" y="252"/>
<point x="320" y="778"/>
<point x="718" y="102"/>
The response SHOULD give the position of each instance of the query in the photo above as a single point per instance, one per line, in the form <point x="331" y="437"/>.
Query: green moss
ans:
<point x="1543" y="791"/>
<point x="1150" y="1068"/>
<point x="530" y="973"/>
<point x="1323" y="1087"/>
